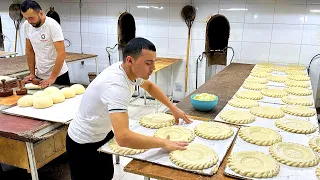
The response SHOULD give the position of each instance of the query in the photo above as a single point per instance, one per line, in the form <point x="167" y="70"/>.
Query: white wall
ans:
<point x="279" y="31"/>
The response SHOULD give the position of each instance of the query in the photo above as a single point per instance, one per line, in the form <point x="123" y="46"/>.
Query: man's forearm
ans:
<point x="138" y="141"/>
<point x="58" y="65"/>
<point x="157" y="93"/>
<point x="31" y="62"/>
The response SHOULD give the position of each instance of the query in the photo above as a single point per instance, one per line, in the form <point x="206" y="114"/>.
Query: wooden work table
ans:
<point x="18" y="64"/>
<point x="224" y="85"/>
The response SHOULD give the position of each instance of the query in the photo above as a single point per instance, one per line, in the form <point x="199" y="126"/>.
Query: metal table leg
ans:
<point x="146" y="178"/>
<point x="156" y="82"/>
<point x="117" y="159"/>
<point x="172" y="84"/>
<point x="32" y="161"/>
<point x="97" y="67"/>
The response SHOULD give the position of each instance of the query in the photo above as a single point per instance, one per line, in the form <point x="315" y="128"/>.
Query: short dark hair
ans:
<point x="135" y="46"/>
<point x="29" y="4"/>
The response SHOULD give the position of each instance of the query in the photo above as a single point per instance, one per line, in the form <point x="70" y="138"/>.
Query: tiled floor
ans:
<point x="136" y="110"/>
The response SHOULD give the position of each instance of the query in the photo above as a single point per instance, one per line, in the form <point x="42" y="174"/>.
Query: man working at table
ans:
<point x="45" y="49"/>
<point x="104" y="106"/>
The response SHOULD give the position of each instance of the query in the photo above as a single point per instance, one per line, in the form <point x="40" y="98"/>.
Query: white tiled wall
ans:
<point x="280" y="31"/>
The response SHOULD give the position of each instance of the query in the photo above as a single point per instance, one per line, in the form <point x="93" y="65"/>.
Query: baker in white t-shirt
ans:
<point x="104" y="106"/>
<point x="45" y="49"/>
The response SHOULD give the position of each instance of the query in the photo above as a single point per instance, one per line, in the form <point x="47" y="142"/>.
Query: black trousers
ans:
<point x="86" y="163"/>
<point x="63" y="79"/>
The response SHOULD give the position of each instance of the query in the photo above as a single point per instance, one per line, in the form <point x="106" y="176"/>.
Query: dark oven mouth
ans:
<point x="126" y="29"/>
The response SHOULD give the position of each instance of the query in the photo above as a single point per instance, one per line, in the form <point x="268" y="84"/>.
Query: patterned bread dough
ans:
<point x="298" y="110"/>
<point x="299" y="77"/>
<point x="302" y="84"/>
<point x="267" y="112"/>
<point x="264" y="65"/>
<point x="275" y="93"/>
<point x="254" y="86"/>
<point x="314" y="143"/>
<point x="176" y="133"/>
<point x="256" y="80"/>
<point x="279" y="79"/>
<point x="253" y="164"/>
<point x="318" y="172"/>
<point x="253" y="95"/>
<point x="259" y="135"/>
<point x="25" y="101"/>
<point x="279" y="68"/>
<point x="157" y="120"/>
<point x="260" y="74"/>
<point x="293" y="154"/>
<point x="114" y="146"/>
<point x="41" y="102"/>
<point x="195" y="157"/>
<point x="243" y="103"/>
<point x="295" y="72"/>
<point x="297" y="101"/>
<point x="257" y="69"/>
<point x="295" y="126"/>
<point x="295" y="67"/>
<point x="237" y="116"/>
<point x="298" y="91"/>
<point x="213" y="130"/>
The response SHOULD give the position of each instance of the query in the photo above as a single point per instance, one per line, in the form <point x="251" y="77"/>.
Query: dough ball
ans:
<point x="25" y="101"/>
<point x="51" y="89"/>
<point x="42" y="102"/>
<point x="78" y="88"/>
<point x="5" y="78"/>
<point x="68" y="92"/>
<point x="32" y="86"/>
<point x="57" y="97"/>
<point x="40" y="94"/>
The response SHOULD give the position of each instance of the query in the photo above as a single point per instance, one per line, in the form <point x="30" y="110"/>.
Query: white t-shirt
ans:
<point x="42" y="40"/>
<point x="109" y="92"/>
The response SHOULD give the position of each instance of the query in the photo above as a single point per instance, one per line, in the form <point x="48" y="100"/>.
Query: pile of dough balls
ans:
<point x="49" y="96"/>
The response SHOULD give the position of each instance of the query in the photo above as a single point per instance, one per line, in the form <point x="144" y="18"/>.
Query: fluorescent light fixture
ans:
<point x="315" y="10"/>
<point x="148" y="7"/>
<point x="234" y="9"/>
<point x="255" y="16"/>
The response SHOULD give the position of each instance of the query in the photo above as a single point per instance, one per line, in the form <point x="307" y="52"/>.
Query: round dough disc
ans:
<point x="260" y="74"/>
<point x="314" y="143"/>
<point x="297" y="101"/>
<point x="68" y="92"/>
<point x="302" y="84"/>
<point x="42" y="102"/>
<point x="57" y="97"/>
<point x="298" y="91"/>
<point x="51" y="89"/>
<point x="25" y="101"/>
<point x="293" y="154"/>
<point x="295" y="67"/>
<point x="279" y="68"/>
<point x="157" y="120"/>
<point x="254" y="86"/>
<point x="253" y="164"/>
<point x="114" y="146"/>
<point x="264" y="65"/>
<point x="299" y="77"/>
<point x="279" y="79"/>
<point x="237" y="116"/>
<point x="267" y="112"/>
<point x="195" y="157"/>
<point x="176" y="133"/>
<point x="318" y="172"/>
<point x="259" y="135"/>
<point x="275" y="93"/>
<point x="40" y="94"/>
<point x="253" y="95"/>
<point x="243" y="103"/>
<point x="295" y="72"/>
<point x="213" y="130"/>
<point x="298" y="110"/>
<point x="268" y="70"/>
<point x="295" y="125"/>
<point x="256" y="80"/>
<point x="78" y="88"/>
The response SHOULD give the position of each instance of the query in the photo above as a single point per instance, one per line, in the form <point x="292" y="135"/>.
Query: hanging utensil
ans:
<point x="188" y="13"/>
<point x="16" y="16"/>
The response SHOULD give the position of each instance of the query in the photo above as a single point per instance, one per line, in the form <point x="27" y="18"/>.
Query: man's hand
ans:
<point x="177" y="113"/>
<point x="29" y="78"/>
<point x="47" y="82"/>
<point x="174" y="145"/>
